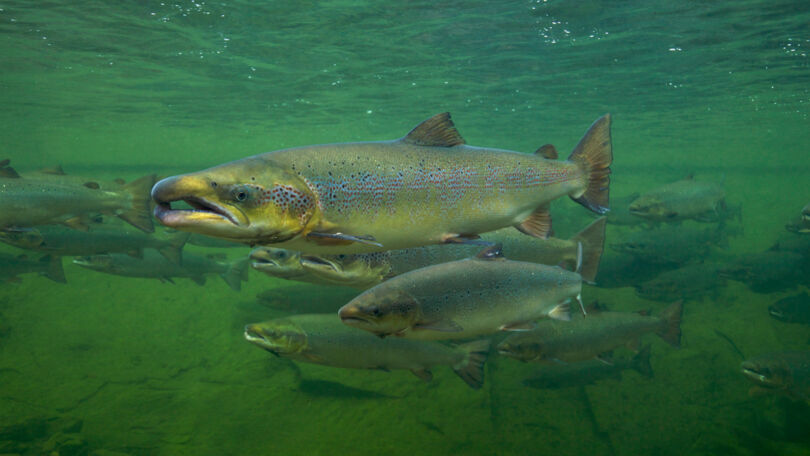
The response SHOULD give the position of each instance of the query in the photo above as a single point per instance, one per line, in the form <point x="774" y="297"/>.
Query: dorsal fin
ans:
<point x="7" y="171"/>
<point x="438" y="131"/>
<point x="547" y="151"/>
<point x="494" y="252"/>
<point x="55" y="170"/>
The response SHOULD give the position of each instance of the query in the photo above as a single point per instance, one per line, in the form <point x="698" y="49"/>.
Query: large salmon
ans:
<point x="425" y="188"/>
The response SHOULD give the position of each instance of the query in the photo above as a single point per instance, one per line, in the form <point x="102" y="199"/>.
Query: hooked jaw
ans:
<point x="207" y="215"/>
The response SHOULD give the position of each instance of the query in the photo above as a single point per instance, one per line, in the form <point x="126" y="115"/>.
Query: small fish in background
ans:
<point x="279" y="263"/>
<point x="687" y="199"/>
<point x="155" y="266"/>
<point x="365" y="270"/>
<point x="463" y="299"/>
<point x="687" y="282"/>
<point x="786" y="373"/>
<point x="620" y="211"/>
<point x="677" y="245"/>
<point x="101" y="238"/>
<point x="557" y="375"/>
<point x="49" y="200"/>
<point x="592" y="336"/>
<point x="793" y="309"/>
<point x="323" y="339"/>
<point x="426" y="188"/>
<point x="768" y="271"/>
<point x="801" y="224"/>
<point x="50" y="266"/>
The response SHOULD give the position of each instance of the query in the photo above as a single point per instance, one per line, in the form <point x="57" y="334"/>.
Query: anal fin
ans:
<point x="538" y="224"/>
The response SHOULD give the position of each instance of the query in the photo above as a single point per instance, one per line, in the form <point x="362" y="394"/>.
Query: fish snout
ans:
<point x="177" y="188"/>
<point x="350" y="313"/>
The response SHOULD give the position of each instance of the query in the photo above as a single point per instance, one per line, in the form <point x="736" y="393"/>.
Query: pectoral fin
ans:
<point x="341" y="239"/>
<point x="467" y="239"/>
<point x="519" y="326"/>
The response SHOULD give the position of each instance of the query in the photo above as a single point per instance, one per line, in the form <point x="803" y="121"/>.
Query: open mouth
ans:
<point x="252" y="336"/>
<point x="200" y="206"/>
<point x="754" y="374"/>
<point x="317" y="263"/>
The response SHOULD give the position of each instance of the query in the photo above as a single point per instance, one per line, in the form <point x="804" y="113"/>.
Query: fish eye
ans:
<point x="241" y="196"/>
<point x="342" y="256"/>
<point x="374" y="310"/>
<point x="282" y="254"/>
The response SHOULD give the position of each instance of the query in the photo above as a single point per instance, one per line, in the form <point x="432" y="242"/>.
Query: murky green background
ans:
<point x="123" y="89"/>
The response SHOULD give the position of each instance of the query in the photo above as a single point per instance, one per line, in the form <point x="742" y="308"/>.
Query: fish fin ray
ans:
<point x="139" y="214"/>
<point x="547" y="151"/>
<point x="7" y="171"/>
<point x="561" y="312"/>
<point x="519" y="326"/>
<point x="491" y="253"/>
<point x="437" y="131"/>
<point x="592" y="238"/>
<point x="538" y="224"/>
<point x="471" y="368"/>
<point x="593" y="155"/>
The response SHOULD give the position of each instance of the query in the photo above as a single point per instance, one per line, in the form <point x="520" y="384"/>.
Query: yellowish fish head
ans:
<point x="251" y="201"/>
<point x="274" y="262"/>
<point x="280" y="337"/>
<point x="382" y="312"/>
<point x="343" y="269"/>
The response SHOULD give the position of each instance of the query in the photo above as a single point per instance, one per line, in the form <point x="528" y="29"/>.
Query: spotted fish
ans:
<point x="425" y="188"/>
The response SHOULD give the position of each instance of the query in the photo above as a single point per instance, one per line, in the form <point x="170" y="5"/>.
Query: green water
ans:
<point x="123" y="89"/>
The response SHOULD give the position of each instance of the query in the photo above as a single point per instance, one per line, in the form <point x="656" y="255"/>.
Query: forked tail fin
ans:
<point x="593" y="155"/>
<point x="670" y="329"/>
<point x="139" y="214"/>
<point x="236" y="274"/>
<point x="592" y="238"/>
<point x="471" y="368"/>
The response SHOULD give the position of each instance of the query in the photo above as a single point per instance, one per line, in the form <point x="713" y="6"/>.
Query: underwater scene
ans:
<point x="423" y="227"/>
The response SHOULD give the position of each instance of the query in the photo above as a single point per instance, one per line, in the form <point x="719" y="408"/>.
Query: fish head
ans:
<point x="96" y="262"/>
<point x="281" y="263"/>
<point x="251" y="201"/>
<point x="280" y="337"/>
<point x="382" y="311"/>
<point x="652" y="208"/>
<point x="25" y="239"/>
<point x="768" y="371"/>
<point x="342" y="269"/>
<point x="521" y="348"/>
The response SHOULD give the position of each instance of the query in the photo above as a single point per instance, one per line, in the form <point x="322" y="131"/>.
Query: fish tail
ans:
<point x="471" y="368"/>
<point x="237" y="273"/>
<point x="592" y="238"/>
<point x="54" y="271"/>
<point x="174" y="250"/>
<point x="641" y="362"/>
<point x="139" y="214"/>
<point x="670" y="329"/>
<point x="593" y="155"/>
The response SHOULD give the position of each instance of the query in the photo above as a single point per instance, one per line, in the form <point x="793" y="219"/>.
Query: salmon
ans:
<point x="322" y="339"/>
<point x="428" y="187"/>
<point x="463" y="299"/>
